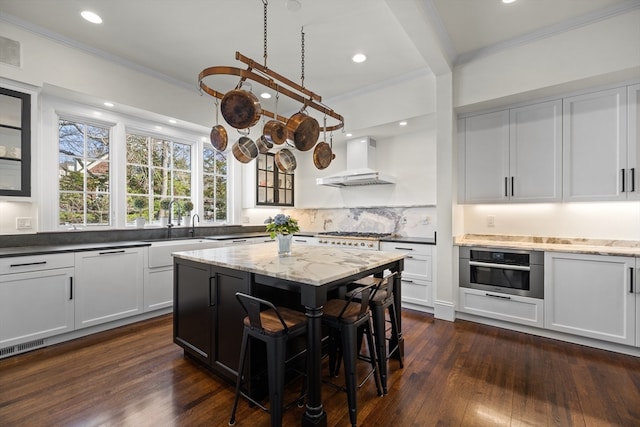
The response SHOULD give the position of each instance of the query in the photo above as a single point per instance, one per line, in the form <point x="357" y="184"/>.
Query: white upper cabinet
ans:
<point x="632" y="182"/>
<point x="595" y="146"/>
<point x="512" y="155"/>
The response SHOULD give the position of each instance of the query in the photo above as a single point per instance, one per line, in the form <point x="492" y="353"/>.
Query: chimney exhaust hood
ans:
<point x="360" y="167"/>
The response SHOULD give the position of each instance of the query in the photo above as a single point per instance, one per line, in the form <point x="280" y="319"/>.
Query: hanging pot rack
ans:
<point x="272" y="80"/>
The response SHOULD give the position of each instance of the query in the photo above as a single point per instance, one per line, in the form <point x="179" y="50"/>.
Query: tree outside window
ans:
<point x="83" y="174"/>
<point x="214" y="189"/>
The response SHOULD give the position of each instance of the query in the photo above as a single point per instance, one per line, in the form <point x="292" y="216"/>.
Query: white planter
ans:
<point x="186" y="220"/>
<point x="140" y="222"/>
<point x="164" y="221"/>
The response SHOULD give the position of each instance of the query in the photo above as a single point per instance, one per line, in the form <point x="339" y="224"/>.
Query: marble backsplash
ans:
<point x="415" y="221"/>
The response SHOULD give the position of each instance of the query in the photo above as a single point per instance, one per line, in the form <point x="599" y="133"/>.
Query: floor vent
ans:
<point x="7" y="351"/>
<point x="29" y="345"/>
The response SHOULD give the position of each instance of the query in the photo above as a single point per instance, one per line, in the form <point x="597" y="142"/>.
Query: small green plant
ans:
<point x="165" y="203"/>
<point x="139" y="204"/>
<point x="187" y="206"/>
<point x="281" y="224"/>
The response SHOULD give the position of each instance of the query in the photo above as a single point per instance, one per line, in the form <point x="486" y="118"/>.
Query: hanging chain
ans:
<point x="265" y="31"/>
<point x="302" y="54"/>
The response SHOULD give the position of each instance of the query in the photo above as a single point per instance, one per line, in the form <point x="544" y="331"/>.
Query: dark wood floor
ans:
<point x="456" y="374"/>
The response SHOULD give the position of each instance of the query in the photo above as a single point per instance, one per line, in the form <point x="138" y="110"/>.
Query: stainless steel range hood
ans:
<point x="360" y="167"/>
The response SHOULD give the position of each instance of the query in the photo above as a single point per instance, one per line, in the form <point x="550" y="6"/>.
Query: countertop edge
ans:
<point x="54" y="249"/>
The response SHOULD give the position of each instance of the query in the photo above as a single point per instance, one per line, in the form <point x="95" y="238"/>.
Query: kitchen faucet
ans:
<point x="169" y="225"/>
<point x="193" y="225"/>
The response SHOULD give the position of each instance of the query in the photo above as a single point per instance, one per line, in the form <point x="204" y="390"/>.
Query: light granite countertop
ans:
<point x="552" y="244"/>
<point x="313" y="265"/>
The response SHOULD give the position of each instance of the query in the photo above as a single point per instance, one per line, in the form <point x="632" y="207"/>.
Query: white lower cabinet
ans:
<point x="509" y="308"/>
<point x="592" y="295"/>
<point x="36" y="300"/>
<point x="109" y="285"/>
<point x="417" y="276"/>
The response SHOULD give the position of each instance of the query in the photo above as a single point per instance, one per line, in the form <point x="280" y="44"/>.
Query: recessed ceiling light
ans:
<point x="349" y="135"/>
<point x="172" y="121"/>
<point x="293" y="5"/>
<point x="508" y="1"/>
<point x="265" y="95"/>
<point x="91" y="17"/>
<point x="158" y="127"/>
<point x="359" y="57"/>
<point x="402" y="123"/>
<point x="108" y="104"/>
<point x="97" y="113"/>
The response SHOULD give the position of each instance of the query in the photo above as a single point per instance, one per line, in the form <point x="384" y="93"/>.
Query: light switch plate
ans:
<point x="23" y="223"/>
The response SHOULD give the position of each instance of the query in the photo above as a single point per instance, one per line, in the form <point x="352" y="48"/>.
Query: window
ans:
<point x="274" y="187"/>
<point x="214" y="191"/>
<point x="156" y="169"/>
<point x="83" y="174"/>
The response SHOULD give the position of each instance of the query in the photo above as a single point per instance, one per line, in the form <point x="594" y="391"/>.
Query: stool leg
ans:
<point x="349" y="354"/>
<point x="394" y="330"/>
<point x="275" y="368"/>
<point x="243" y="349"/>
<point x="372" y="352"/>
<point x="379" y="328"/>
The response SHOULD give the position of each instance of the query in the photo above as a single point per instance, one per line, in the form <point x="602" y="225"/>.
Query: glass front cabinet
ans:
<point x="15" y="143"/>
<point x="274" y="187"/>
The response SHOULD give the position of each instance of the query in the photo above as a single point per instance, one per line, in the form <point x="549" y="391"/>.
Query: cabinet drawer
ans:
<point x="417" y="265"/>
<point x="417" y="292"/>
<point x="510" y="308"/>
<point x="414" y="248"/>
<point x="35" y="263"/>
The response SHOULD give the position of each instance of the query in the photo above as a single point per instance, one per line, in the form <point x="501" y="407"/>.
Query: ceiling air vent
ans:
<point x="9" y="51"/>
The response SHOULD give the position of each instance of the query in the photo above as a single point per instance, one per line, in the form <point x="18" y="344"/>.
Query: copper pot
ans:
<point x="285" y="160"/>
<point x="240" y="108"/>
<point x="245" y="150"/>
<point x="219" y="137"/>
<point x="263" y="144"/>
<point x="322" y="155"/>
<point x="304" y="131"/>
<point x="275" y="132"/>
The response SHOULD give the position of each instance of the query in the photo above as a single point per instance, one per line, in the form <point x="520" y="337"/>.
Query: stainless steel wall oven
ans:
<point x="514" y="272"/>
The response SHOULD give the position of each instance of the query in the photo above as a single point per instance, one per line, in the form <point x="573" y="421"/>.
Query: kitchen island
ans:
<point x="208" y="320"/>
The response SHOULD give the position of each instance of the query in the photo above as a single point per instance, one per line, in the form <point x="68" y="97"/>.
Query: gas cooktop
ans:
<point x="355" y="234"/>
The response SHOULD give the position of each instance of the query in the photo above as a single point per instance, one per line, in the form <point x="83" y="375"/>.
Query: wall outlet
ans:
<point x="491" y="220"/>
<point x="404" y="220"/>
<point x="23" y="223"/>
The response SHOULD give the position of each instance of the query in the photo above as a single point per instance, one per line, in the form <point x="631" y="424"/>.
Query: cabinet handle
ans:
<point x="506" y="184"/>
<point x="111" y="252"/>
<point x="28" y="263"/>
<point x="212" y="292"/>
<point x="633" y="179"/>
<point x="406" y="280"/>
<point x="512" y="186"/>
<point x="403" y="249"/>
<point x="623" y="174"/>
<point x="409" y="257"/>
<point x="630" y="280"/>
<point x="239" y="241"/>
<point x="71" y="288"/>
<point x="497" y="296"/>
<point x="300" y="240"/>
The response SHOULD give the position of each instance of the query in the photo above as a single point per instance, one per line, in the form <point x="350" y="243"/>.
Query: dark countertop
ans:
<point x="237" y="236"/>
<point x="80" y="247"/>
<point x="405" y="239"/>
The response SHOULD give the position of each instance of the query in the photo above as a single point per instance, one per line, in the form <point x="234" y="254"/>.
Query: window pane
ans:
<point x="161" y="181"/>
<point x="208" y="190"/>
<point x="98" y="177"/>
<point x="71" y="206"/>
<point x="208" y="161"/>
<point x="181" y="183"/>
<point x="97" y="142"/>
<point x="137" y="179"/>
<point x="70" y="179"/>
<point x="221" y="163"/>
<point x="98" y="209"/>
<point x="181" y="156"/>
<point x="137" y="149"/>
<point x="71" y="137"/>
<point x="161" y="153"/>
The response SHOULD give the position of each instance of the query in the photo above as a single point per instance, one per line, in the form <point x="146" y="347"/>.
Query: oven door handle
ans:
<point x="502" y="266"/>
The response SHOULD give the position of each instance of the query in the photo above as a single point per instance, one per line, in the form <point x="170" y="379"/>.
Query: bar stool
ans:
<point x="383" y="300"/>
<point x="344" y="318"/>
<point x="274" y="326"/>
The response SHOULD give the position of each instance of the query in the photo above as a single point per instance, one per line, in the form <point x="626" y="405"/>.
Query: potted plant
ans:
<point x="139" y="204"/>
<point x="165" y="205"/>
<point x="282" y="226"/>
<point x="187" y="207"/>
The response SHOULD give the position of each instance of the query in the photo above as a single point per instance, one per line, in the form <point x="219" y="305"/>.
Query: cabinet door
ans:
<point x="35" y="305"/>
<point x="485" y="149"/>
<point x="595" y="146"/>
<point x="109" y="285"/>
<point x="15" y="143"/>
<point x="590" y="295"/>
<point x="632" y="182"/>
<point x="535" y="166"/>
<point x="193" y="308"/>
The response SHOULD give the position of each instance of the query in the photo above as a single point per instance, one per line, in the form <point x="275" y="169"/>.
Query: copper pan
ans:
<point x="275" y="132"/>
<point x="244" y="150"/>
<point x="218" y="136"/>
<point x="304" y="130"/>
<point x="264" y="145"/>
<point x="286" y="161"/>
<point x="240" y="108"/>
<point x="322" y="155"/>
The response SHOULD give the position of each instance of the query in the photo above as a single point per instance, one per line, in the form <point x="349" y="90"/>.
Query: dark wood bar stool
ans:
<point x="344" y="318"/>
<point x="383" y="301"/>
<point x="275" y="326"/>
